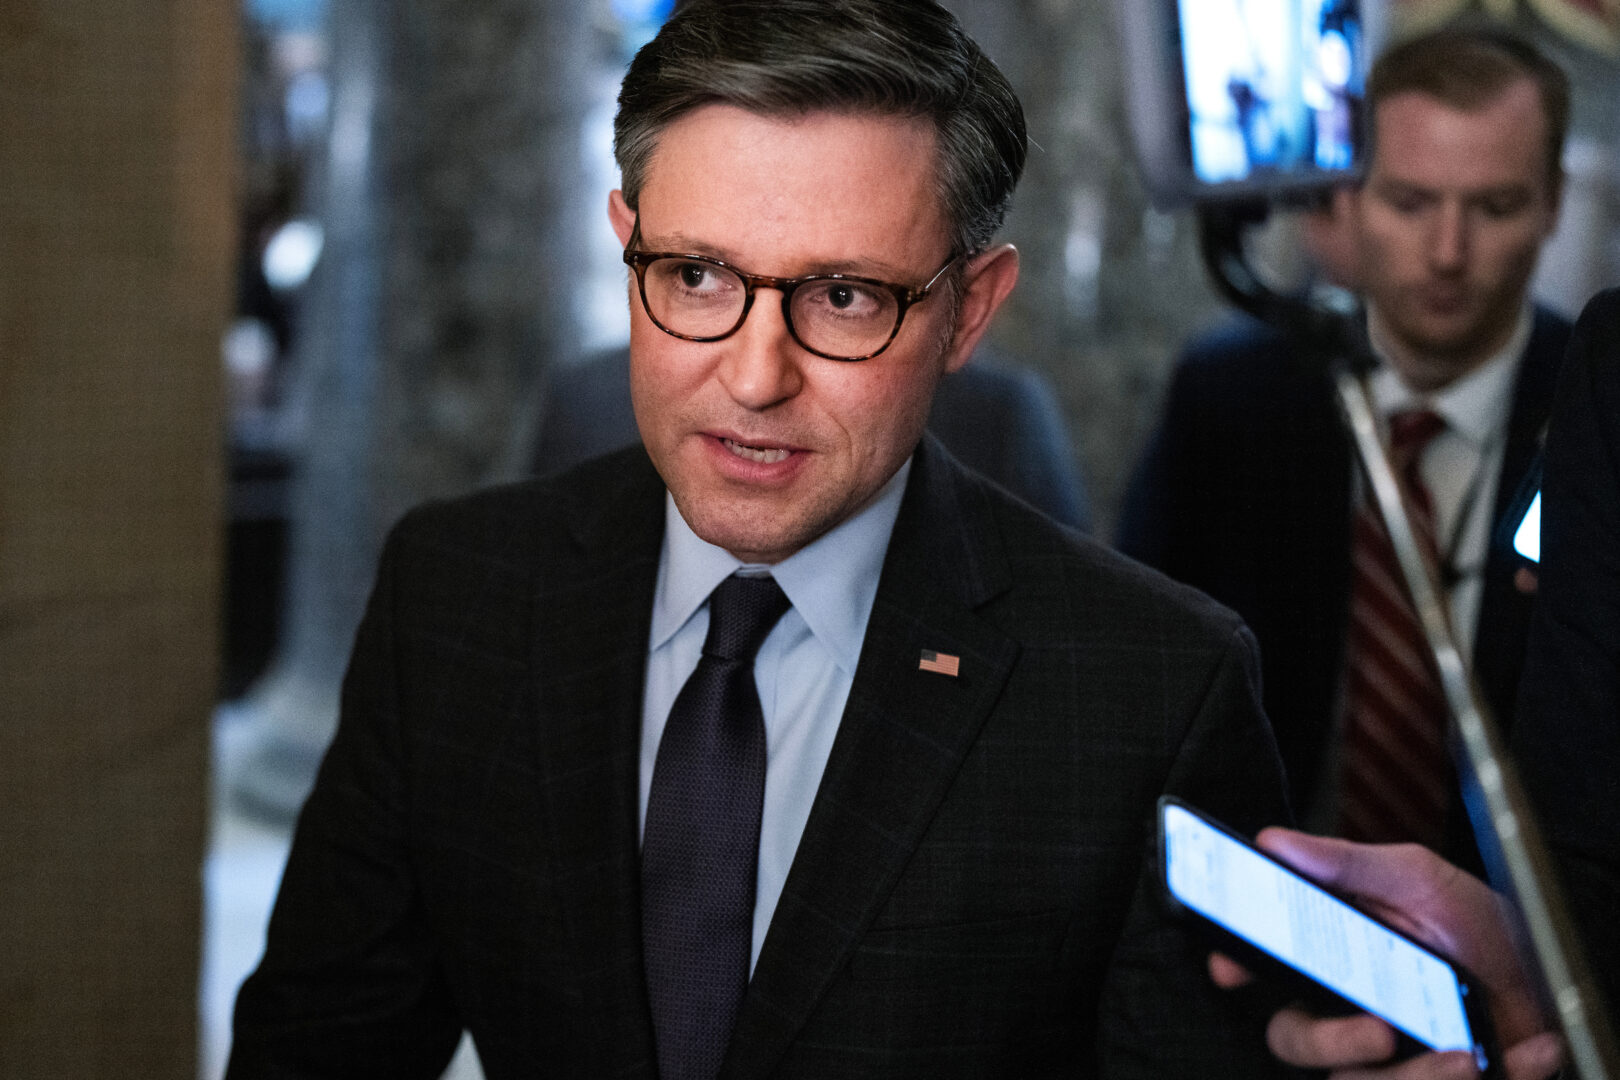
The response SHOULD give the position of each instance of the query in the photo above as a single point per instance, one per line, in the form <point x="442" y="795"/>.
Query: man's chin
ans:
<point x="752" y="534"/>
<point x="1448" y="341"/>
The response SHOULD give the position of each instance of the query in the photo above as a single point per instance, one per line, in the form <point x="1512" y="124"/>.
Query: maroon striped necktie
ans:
<point x="1395" y="775"/>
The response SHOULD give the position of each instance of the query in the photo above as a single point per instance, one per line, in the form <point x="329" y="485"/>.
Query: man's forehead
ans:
<point x="686" y="243"/>
<point x="828" y="191"/>
<point x="1416" y="132"/>
<point x="865" y="133"/>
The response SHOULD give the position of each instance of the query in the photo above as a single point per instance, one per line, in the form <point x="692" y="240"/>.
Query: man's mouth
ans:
<point x="1444" y="298"/>
<point x="764" y="455"/>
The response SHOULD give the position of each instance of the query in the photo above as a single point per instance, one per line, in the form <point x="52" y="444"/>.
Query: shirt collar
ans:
<point x="1474" y="406"/>
<point x="831" y="581"/>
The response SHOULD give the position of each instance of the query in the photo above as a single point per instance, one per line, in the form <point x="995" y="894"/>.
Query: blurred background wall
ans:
<point x="118" y="151"/>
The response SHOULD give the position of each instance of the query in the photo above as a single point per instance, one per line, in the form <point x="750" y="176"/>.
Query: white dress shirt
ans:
<point x="803" y="670"/>
<point x="1462" y="467"/>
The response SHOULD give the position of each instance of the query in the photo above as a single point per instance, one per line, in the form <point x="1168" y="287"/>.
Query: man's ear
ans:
<point x="986" y="283"/>
<point x="620" y="216"/>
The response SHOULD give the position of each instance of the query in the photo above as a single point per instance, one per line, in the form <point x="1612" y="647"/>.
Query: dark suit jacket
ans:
<point x="1245" y="492"/>
<point x="1567" y="735"/>
<point x="996" y="417"/>
<point x="973" y="896"/>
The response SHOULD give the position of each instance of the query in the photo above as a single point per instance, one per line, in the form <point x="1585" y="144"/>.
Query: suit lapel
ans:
<point x="1532" y="403"/>
<point x="591" y="623"/>
<point x="1504" y="612"/>
<point x="902" y="738"/>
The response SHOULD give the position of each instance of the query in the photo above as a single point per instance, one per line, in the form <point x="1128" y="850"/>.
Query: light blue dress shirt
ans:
<point x="803" y="670"/>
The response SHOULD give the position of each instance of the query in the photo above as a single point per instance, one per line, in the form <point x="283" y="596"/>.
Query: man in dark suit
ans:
<point x="1248" y="489"/>
<point x="1567" y="739"/>
<point x="967" y="711"/>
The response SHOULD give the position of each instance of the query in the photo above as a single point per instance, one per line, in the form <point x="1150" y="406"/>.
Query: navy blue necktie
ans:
<point x="700" y="846"/>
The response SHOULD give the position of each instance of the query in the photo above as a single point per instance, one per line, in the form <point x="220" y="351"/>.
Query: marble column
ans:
<point x="1109" y="287"/>
<point x="118" y="129"/>
<point x="1584" y="253"/>
<point x="452" y="201"/>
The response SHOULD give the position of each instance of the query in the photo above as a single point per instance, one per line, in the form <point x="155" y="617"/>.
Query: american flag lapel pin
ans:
<point x="940" y="663"/>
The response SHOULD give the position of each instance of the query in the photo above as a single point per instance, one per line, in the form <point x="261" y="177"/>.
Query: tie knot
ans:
<point x="1412" y="430"/>
<point x="742" y="611"/>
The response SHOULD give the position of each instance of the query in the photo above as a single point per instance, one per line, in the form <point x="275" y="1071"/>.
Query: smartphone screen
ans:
<point x="1298" y="923"/>
<point x="1527" y="534"/>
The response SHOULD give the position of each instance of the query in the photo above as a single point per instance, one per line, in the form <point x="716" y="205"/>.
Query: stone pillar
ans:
<point x="1109" y="287"/>
<point x="453" y="205"/>
<point x="1584" y="253"/>
<point x="116" y="237"/>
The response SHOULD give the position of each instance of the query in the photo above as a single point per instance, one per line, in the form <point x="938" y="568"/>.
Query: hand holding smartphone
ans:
<point x="1281" y="925"/>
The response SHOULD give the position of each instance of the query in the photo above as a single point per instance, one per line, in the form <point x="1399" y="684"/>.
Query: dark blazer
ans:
<point x="999" y="418"/>
<point x="1567" y="735"/>
<point x="1245" y="492"/>
<point x="974" y="895"/>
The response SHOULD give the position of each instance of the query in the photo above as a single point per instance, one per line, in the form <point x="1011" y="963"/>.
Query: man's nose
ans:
<point x="1449" y="239"/>
<point x="760" y="366"/>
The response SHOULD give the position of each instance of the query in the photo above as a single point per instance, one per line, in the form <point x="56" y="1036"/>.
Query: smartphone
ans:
<point x="1278" y="923"/>
<point x="1520" y="528"/>
<point x="1527" y="534"/>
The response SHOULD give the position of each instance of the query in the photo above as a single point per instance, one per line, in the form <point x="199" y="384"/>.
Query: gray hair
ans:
<point x="790" y="57"/>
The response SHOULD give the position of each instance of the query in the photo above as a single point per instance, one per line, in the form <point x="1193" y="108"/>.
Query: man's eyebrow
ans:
<point x="1390" y="186"/>
<point x="1518" y="195"/>
<point x="1399" y="182"/>
<point x="866" y="267"/>
<point x="686" y="245"/>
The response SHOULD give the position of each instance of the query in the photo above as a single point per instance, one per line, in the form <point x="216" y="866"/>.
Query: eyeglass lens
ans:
<point x="828" y="315"/>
